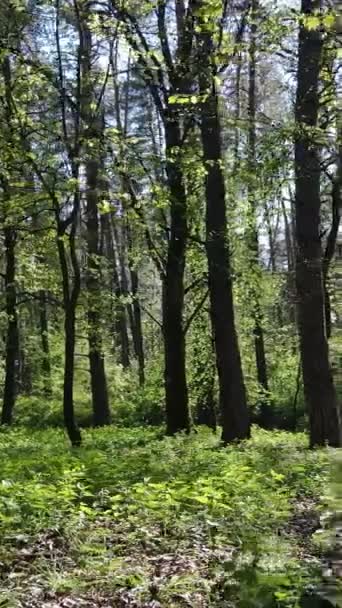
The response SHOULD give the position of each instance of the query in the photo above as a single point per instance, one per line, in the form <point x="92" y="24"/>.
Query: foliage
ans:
<point x="179" y="520"/>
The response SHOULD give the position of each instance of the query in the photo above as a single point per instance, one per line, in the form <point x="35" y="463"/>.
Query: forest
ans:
<point x="170" y="304"/>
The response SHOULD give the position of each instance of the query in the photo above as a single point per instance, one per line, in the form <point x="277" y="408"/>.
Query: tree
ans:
<point x="92" y="133"/>
<point x="235" y="419"/>
<point x="252" y="227"/>
<point x="176" y="71"/>
<point x="10" y="234"/>
<point x="320" y="394"/>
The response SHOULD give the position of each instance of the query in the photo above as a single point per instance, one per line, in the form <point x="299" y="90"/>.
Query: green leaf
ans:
<point x="312" y="22"/>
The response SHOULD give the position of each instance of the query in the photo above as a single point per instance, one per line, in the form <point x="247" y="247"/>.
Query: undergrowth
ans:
<point x="134" y="519"/>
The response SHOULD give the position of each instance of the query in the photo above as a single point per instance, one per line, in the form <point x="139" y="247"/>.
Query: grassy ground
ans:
<point x="135" y="520"/>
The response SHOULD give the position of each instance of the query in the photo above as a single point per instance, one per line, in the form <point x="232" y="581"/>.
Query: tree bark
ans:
<point x="44" y="336"/>
<point x="120" y="310"/>
<point x="177" y="407"/>
<point x="319" y="389"/>
<point x="93" y="128"/>
<point x="68" y="385"/>
<point x="235" y="418"/>
<point x="101" y="414"/>
<point x="70" y="297"/>
<point x="252" y="232"/>
<point x="12" y="338"/>
<point x="137" y="332"/>
<point x="332" y="236"/>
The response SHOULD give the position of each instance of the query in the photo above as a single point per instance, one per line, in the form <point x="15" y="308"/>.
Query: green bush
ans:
<point x="129" y="498"/>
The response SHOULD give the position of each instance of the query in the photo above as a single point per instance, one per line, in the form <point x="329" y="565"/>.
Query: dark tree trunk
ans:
<point x="70" y="297"/>
<point x="93" y="144"/>
<point x="332" y="237"/>
<point x="44" y="337"/>
<point x="177" y="407"/>
<point x="101" y="414"/>
<point x="12" y="339"/>
<point x="120" y="329"/>
<point x="235" y="418"/>
<point x="271" y="239"/>
<point x="138" y="340"/>
<point x="68" y="386"/>
<point x="319" y="389"/>
<point x="127" y="309"/>
<point x="137" y="333"/>
<point x="252" y="229"/>
<point x="290" y="279"/>
<point x="179" y="75"/>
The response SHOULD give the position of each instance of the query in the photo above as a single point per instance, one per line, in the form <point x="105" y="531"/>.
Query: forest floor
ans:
<point x="135" y="520"/>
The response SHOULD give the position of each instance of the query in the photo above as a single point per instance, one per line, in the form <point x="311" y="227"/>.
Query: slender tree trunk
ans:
<point x="319" y="389"/>
<point x="101" y="414"/>
<point x="271" y="241"/>
<point x="68" y="385"/>
<point x="253" y="238"/>
<point x="332" y="236"/>
<point x="120" y="236"/>
<point x="132" y="308"/>
<point x="70" y="297"/>
<point x="93" y="152"/>
<point x="235" y="419"/>
<point x="12" y="338"/>
<point x="177" y="407"/>
<point x="44" y="337"/>
<point x="137" y="333"/>
<point x="120" y="309"/>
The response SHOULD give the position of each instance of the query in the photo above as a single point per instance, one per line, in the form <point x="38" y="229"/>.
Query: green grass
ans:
<point x="131" y="517"/>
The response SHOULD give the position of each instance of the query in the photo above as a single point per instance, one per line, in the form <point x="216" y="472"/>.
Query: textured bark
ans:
<point x="70" y="298"/>
<point x="93" y="141"/>
<point x="319" y="390"/>
<point x="137" y="332"/>
<point x="332" y="236"/>
<point x="177" y="407"/>
<point x="235" y="419"/>
<point x="68" y="384"/>
<point x="252" y="231"/>
<point x="44" y="337"/>
<point x="12" y="339"/>
<point x="66" y="246"/>
<point x="120" y="309"/>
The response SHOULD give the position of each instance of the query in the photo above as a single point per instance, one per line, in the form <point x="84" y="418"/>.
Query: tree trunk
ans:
<point x="332" y="236"/>
<point x="138" y="340"/>
<point x="68" y="386"/>
<point x="120" y="330"/>
<point x="137" y="333"/>
<point x="177" y="407"/>
<point x="252" y="231"/>
<point x="319" y="389"/>
<point x="70" y="298"/>
<point x="44" y="336"/>
<point x="101" y="414"/>
<point x="12" y="338"/>
<point x="127" y="315"/>
<point x="93" y="143"/>
<point x="235" y="419"/>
